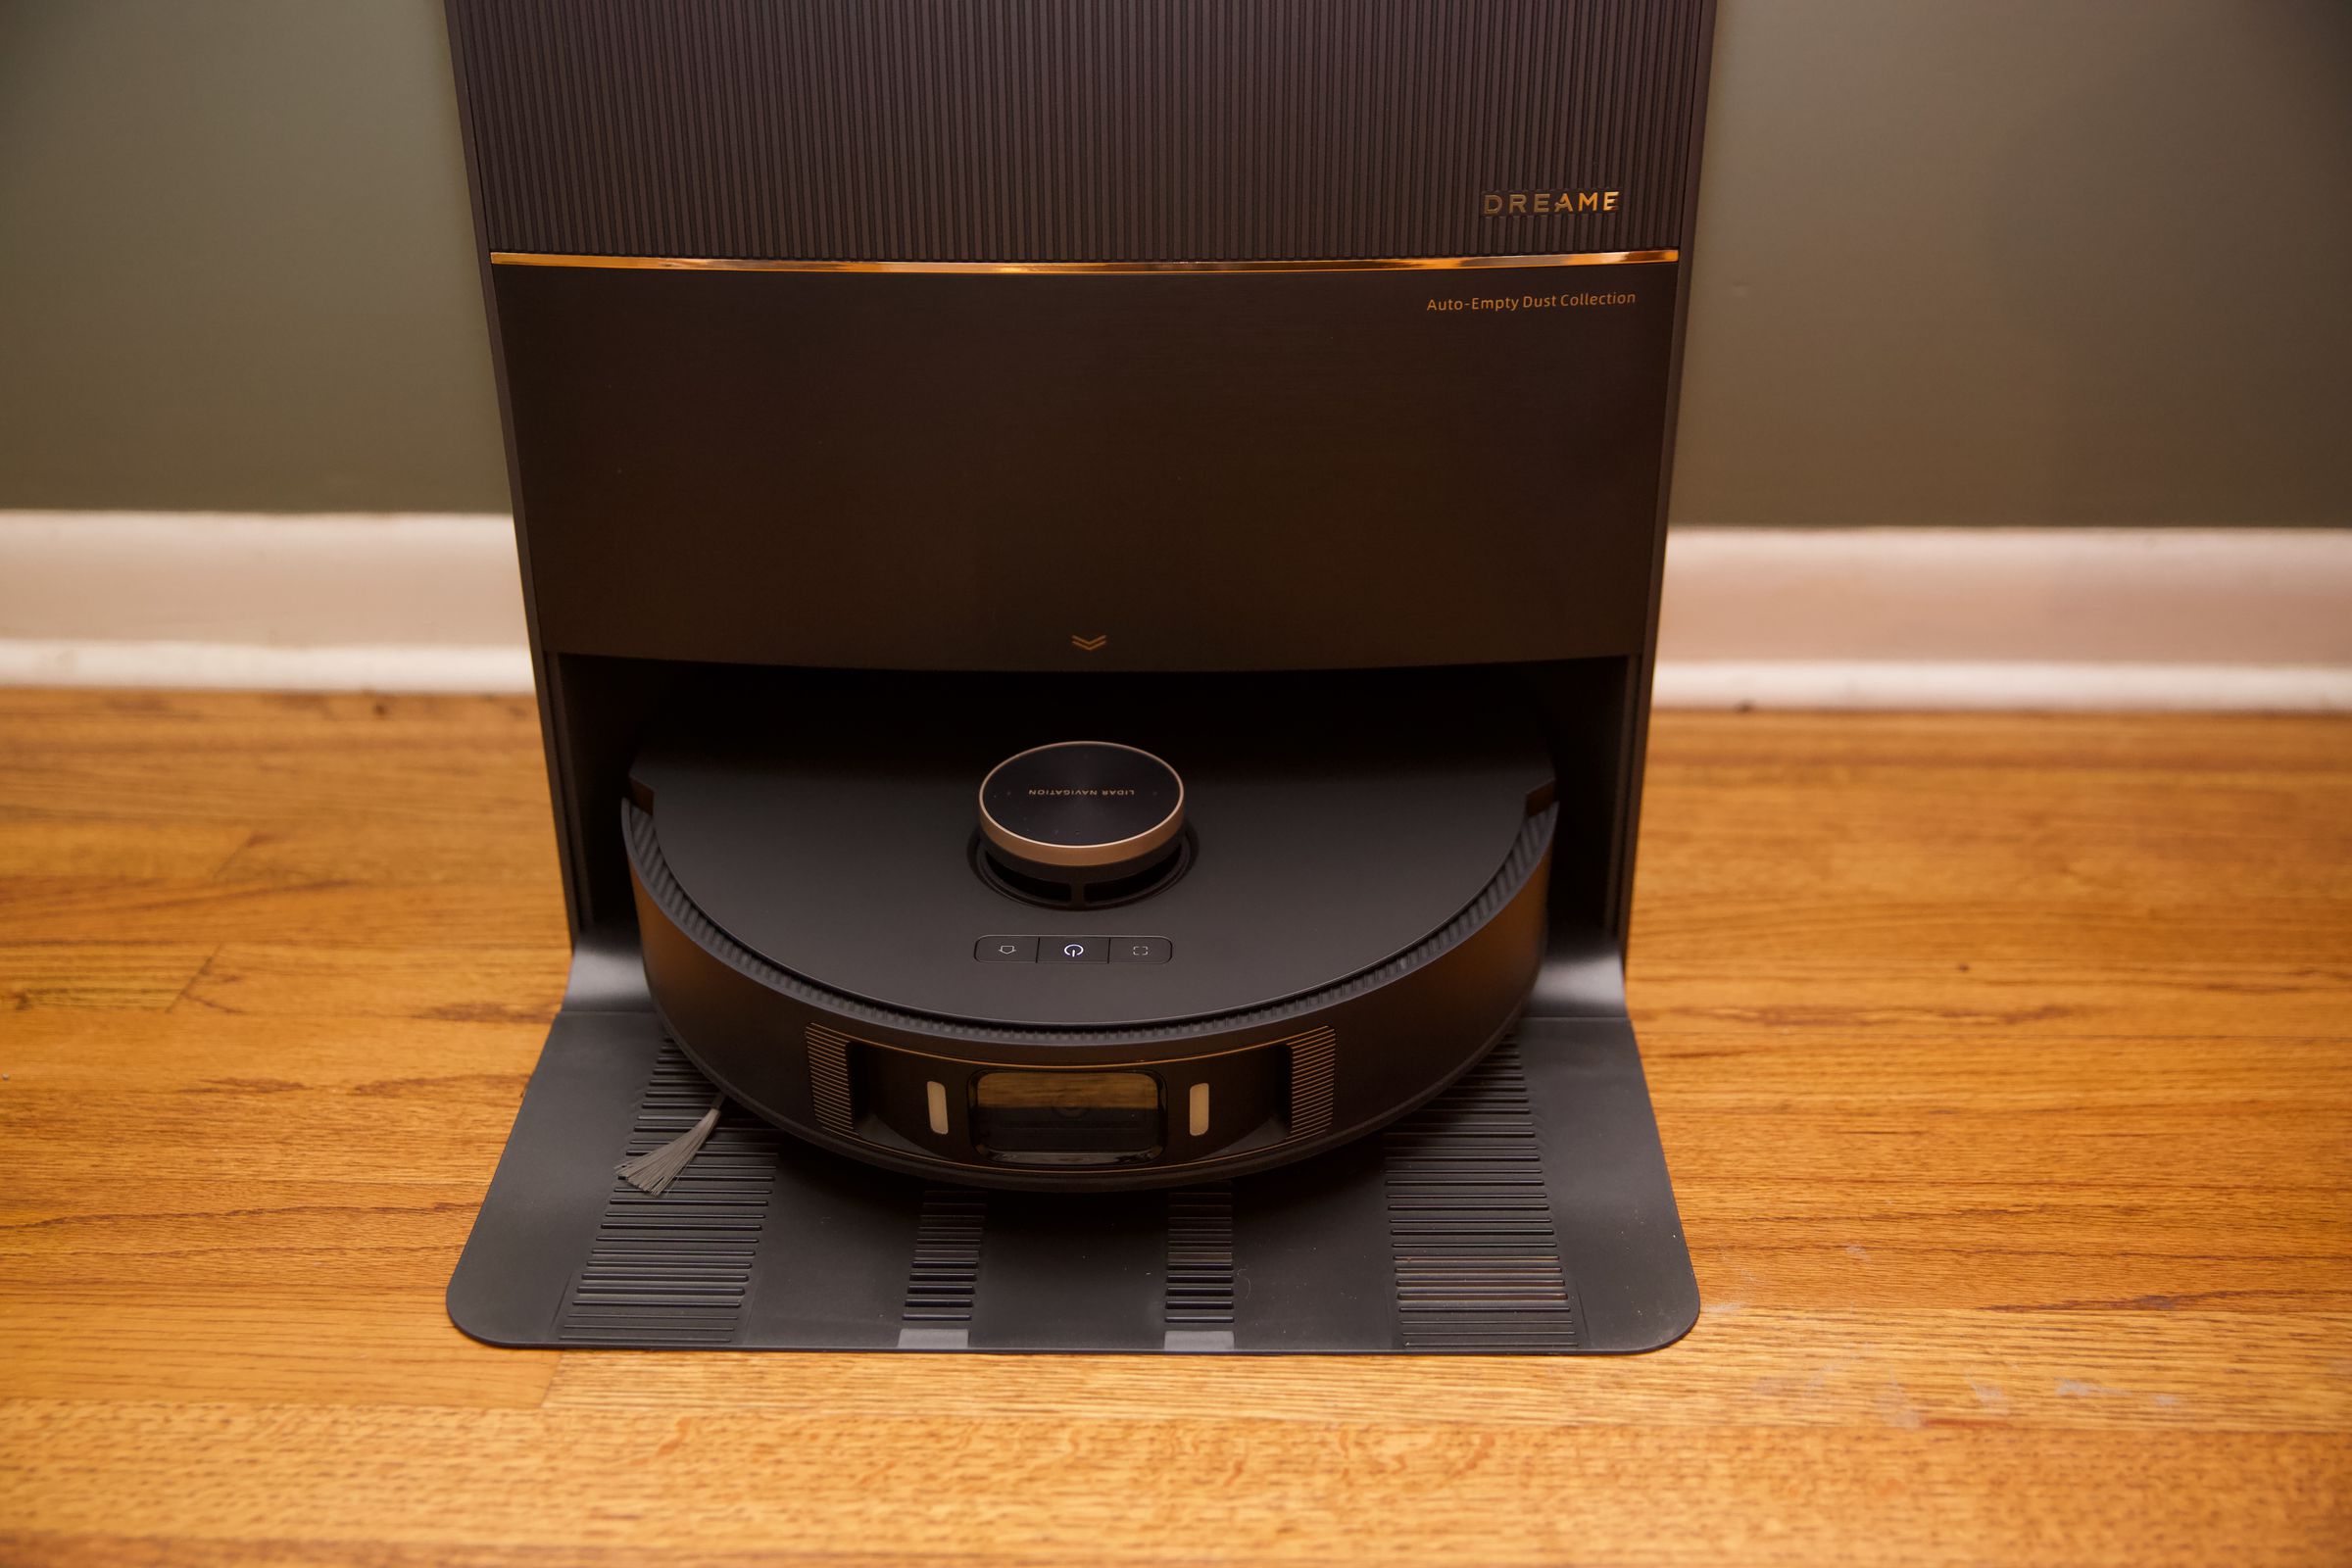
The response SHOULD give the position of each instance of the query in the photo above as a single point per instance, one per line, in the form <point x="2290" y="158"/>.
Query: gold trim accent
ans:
<point x="1379" y="264"/>
<point x="1079" y="857"/>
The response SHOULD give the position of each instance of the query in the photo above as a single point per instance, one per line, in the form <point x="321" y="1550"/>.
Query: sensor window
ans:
<point x="1067" y="1118"/>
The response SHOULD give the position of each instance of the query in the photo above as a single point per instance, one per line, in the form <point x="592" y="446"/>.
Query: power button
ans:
<point x="1072" y="949"/>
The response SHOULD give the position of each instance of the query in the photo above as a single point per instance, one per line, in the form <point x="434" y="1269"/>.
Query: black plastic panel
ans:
<point x="1525" y="1211"/>
<point x="1188" y="473"/>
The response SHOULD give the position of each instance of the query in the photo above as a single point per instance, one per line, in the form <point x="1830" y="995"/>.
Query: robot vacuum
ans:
<point x="1170" y="947"/>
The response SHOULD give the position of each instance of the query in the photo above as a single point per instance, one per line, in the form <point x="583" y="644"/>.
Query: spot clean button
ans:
<point x="1142" y="950"/>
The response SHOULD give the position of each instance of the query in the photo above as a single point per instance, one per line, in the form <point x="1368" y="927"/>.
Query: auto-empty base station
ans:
<point x="1524" y="1212"/>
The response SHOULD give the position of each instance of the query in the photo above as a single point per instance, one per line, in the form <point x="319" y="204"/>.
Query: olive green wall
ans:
<point x="235" y="261"/>
<point x="1977" y="261"/>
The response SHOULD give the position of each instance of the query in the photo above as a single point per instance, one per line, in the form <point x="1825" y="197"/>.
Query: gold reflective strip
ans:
<point x="1384" y="264"/>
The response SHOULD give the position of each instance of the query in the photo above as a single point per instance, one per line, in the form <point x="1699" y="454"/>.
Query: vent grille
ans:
<point x="1199" y="1302"/>
<point x="1076" y="131"/>
<point x="829" y="1079"/>
<point x="1313" y="1071"/>
<point x="945" y="1276"/>
<point x="675" y="1269"/>
<point x="1470" y="1226"/>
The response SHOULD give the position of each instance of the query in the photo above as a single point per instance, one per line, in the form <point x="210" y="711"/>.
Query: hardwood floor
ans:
<point x="2004" y="1064"/>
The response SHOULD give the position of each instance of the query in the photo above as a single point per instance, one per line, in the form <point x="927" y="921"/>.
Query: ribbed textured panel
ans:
<point x="674" y="1269"/>
<point x="1075" y="129"/>
<point x="946" y="1271"/>
<point x="829" y="1079"/>
<point x="1201" y="1269"/>
<point x="1478" y="1258"/>
<point x="1311" y="1083"/>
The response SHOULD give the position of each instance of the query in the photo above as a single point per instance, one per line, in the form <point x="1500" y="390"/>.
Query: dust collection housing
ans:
<point x="1092" y="567"/>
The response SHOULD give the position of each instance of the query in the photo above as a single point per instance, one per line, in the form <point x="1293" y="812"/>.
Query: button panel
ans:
<point x="1073" y="949"/>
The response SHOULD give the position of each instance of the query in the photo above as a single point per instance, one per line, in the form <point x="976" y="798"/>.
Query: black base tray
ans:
<point x="1525" y="1211"/>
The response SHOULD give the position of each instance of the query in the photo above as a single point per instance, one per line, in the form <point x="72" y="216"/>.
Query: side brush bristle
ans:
<point x="653" y="1172"/>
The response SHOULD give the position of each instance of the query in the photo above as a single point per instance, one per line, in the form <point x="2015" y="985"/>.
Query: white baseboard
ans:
<point x="259" y="667"/>
<point x="2011" y="684"/>
<point x="1879" y="618"/>
<point x="2042" y="618"/>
